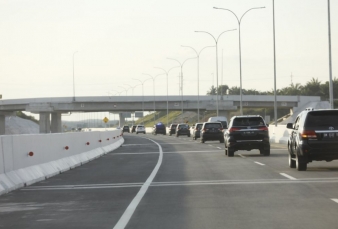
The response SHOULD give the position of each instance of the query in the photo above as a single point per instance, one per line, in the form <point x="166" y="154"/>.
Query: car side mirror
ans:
<point x="289" y="125"/>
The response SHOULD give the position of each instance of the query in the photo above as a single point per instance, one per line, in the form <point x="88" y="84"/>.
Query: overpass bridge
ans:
<point x="50" y="109"/>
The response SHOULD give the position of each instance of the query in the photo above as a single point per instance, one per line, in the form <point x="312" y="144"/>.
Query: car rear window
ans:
<point x="140" y="126"/>
<point x="199" y="125"/>
<point x="253" y="121"/>
<point x="322" y="119"/>
<point x="213" y="125"/>
<point x="183" y="126"/>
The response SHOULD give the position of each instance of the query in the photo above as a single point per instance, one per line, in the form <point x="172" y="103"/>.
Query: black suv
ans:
<point x="182" y="129"/>
<point x="159" y="128"/>
<point x="126" y="129"/>
<point x="172" y="129"/>
<point x="314" y="137"/>
<point x="247" y="132"/>
<point x="212" y="131"/>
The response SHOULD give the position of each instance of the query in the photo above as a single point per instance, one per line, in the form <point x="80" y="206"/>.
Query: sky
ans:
<point x="113" y="43"/>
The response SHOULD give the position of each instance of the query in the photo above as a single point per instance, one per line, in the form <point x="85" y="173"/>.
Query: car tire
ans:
<point x="266" y="152"/>
<point x="231" y="152"/>
<point x="177" y="135"/>
<point x="188" y="135"/>
<point x="202" y="140"/>
<point x="225" y="151"/>
<point x="301" y="164"/>
<point x="136" y="132"/>
<point x="292" y="162"/>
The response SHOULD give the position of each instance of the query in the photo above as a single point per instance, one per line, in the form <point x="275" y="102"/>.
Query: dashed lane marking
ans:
<point x="218" y="147"/>
<point x="288" y="176"/>
<point x="259" y="163"/>
<point x="241" y="156"/>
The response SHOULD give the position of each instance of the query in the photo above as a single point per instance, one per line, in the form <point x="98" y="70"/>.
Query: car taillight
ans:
<point x="232" y="129"/>
<point x="264" y="128"/>
<point x="308" y="134"/>
<point x="220" y="129"/>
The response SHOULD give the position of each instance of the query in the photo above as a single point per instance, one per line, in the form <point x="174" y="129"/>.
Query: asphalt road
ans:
<point x="168" y="182"/>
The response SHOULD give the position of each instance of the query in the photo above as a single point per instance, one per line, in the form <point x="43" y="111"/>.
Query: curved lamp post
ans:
<point x="153" y="78"/>
<point x="181" y="81"/>
<point x="74" y="78"/>
<point x="142" y="83"/>
<point x="239" y="20"/>
<point x="167" y="73"/>
<point x="198" y="76"/>
<point x="216" y="41"/>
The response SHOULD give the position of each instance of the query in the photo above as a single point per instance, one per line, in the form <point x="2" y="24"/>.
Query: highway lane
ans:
<point x="196" y="186"/>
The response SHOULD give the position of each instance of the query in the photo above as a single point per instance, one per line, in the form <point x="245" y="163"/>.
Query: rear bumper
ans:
<point x="327" y="152"/>
<point x="249" y="145"/>
<point x="208" y="136"/>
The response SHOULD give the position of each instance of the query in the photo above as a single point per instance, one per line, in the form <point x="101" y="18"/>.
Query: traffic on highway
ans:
<point x="170" y="181"/>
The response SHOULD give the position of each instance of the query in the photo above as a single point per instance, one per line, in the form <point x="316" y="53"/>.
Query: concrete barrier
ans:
<point x="26" y="159"/>
<point x="279" y="134"/>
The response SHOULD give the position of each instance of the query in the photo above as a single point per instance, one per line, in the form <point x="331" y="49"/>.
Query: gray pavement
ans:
<point x="194" y="185"/>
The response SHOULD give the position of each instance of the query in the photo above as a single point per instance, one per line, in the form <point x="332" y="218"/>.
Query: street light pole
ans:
<point x="198" y="77"/>
<point x="74" y="78"/>
<point x="153" y="78"/>
<point x="240" y="51"/>
<point x="330" y="60"/>
<point x="167" y="73"/>
<point x="274" y="63"/>
<point x="142" y="82"/>
<point x="181" y="64"/>
<point x="216" y="41"/>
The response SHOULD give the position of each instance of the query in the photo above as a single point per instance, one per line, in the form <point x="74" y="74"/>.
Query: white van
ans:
<point x="220" y="119"/>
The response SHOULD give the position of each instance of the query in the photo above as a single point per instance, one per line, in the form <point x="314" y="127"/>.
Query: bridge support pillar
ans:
<point x="44" y="122"/>
<point x="2" y="124"/>
<point x="56" y="126"/>
<point x="122" y="119"/>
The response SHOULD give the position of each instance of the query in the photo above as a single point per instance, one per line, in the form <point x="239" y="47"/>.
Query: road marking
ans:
<point x="210" y="145"/>
<point x="218" y="147"/>
<point x="123" y="221"/>
<point x="241" y="156"/>
<point x="183" y="183"/>
<point x="288" y="176"/>
<point x="206" y="151"/>
<point x="335" y="200"/>
<point x="259" y="163"/>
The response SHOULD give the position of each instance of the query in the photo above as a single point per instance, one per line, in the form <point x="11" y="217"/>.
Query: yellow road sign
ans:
<point x="105" y="119"/>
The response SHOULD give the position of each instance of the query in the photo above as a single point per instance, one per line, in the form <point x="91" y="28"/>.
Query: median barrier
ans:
<point x="26" y="159"/>
<point x="279" y="134"/>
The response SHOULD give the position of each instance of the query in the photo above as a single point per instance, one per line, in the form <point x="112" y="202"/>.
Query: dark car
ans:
<point x="247" y="132"/>
<point x="172" y="129"/>
<point x="182" y="129"/>
<point x="314" y="137"/>
<point x="212" y="131"/>
<point x="159" y="128"/>
<point x="133" y="129"/>
<point x="126" y="129"/>
<point x="196" y="131"/>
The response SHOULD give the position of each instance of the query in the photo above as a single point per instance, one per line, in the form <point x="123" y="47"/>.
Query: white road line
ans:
<point x="259" y="163"/>
<point x="335" y="200"/>
<point x="241" y="156"/>
<point x="218" y="147"/>
<point x="288" y="176"/>
<point x="188" y="183"/>
<point x="210" y="145"/>
<point x="206" y="151"/>
<point x="123" y="221"/>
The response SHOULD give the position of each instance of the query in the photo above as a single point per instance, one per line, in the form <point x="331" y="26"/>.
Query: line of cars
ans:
<point x="137" y="129"/>
<point x="313" y="137"/>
